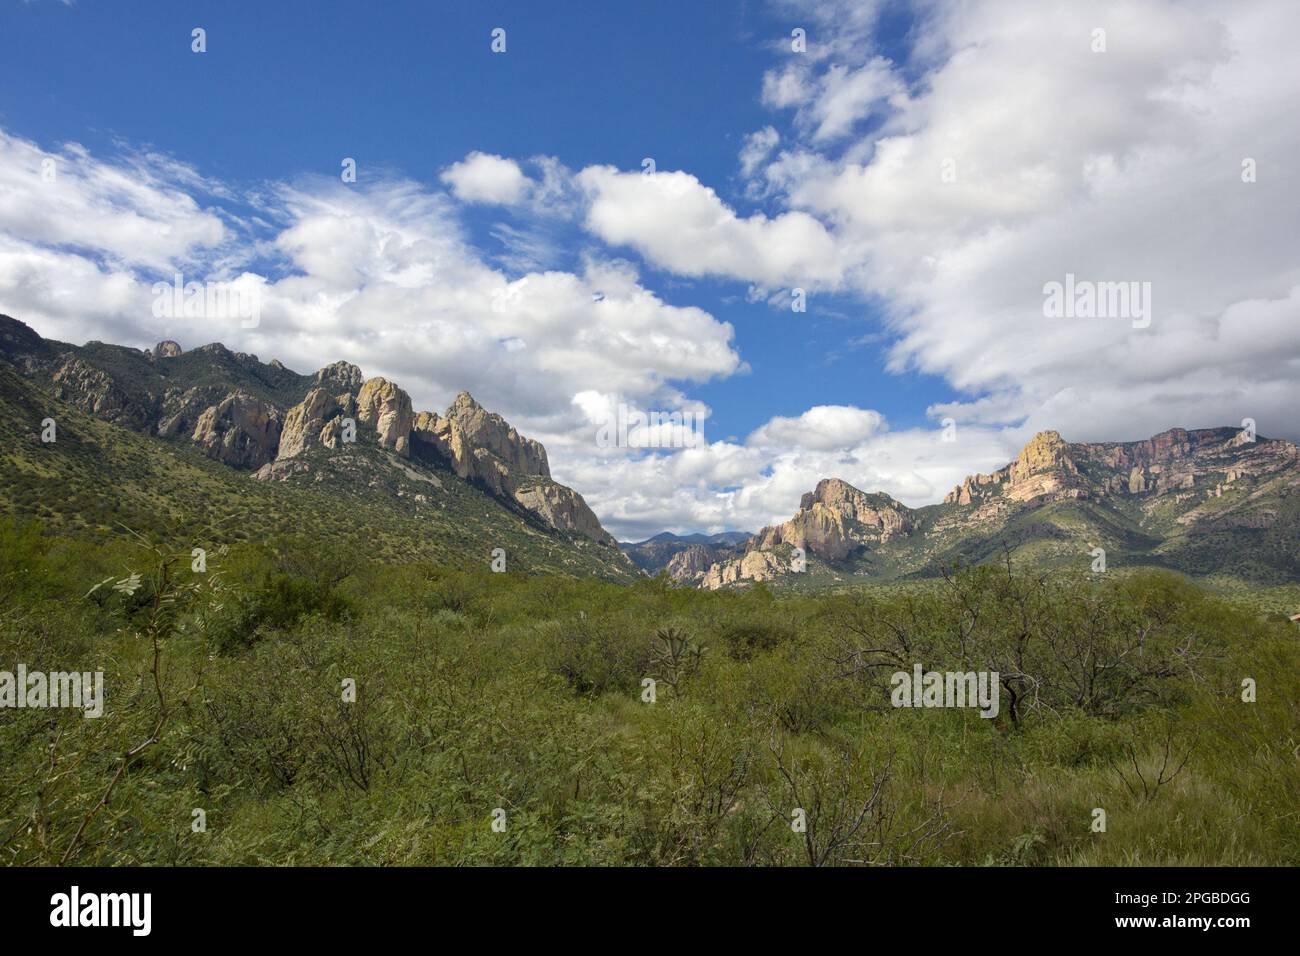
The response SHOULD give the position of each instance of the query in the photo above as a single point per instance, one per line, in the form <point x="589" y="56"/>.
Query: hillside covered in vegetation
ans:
<point x="295" y="702"/>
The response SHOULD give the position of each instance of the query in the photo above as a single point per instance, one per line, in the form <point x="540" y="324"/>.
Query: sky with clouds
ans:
<point x="824" y="228"/>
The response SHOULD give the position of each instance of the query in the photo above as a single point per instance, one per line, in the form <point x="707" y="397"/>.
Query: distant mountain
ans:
<point x="1212" y="501"/>
<point x="722" y="537"/>
<point x="684" y="558"/>
<point x="332" y="452"/>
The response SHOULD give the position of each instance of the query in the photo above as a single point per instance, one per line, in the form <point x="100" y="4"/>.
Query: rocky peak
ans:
<point x="489" y="431"/>
<point x="690" y="564"/>
<point x="482" y="446"/>
<point x="387" y="408"/>
<point x="1172" y="461"/>
<point x="167" y="349"/>
<point x="839" y="495"/>
<point x="220" y="351"/>
<point x="1046" y="451"/>
<point x="463" y="403"/>
<point x="837" y="518"/>
<point x="1045" y="466"/>
<point x="306" y="424"/>
<point x="563" y="509"/>
<point x="340" y="377"/>
<point x="829" y="491"/>
<point x="240" y="430"/>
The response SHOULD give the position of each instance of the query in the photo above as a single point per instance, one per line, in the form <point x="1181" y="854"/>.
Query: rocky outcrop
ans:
<point x="482" y="446"/>
<point x="79" y="383"/>
<point x="339" y="377"/>
<point x="836" y="519"/>
<point x="180" y="409"/>
<point x="387" y="409"/>
<point x="1049" y="468"/>
<point x="433" y="432"/>
<point x="283" y="470"/>
<point x="240" y="430"/>
<point x="478" y="445"/>
<point x="754" y="566"/>
<point x="320" y="419"/>
<point x="690" y="564"/>
<point x="307" y="424"/>
<point x="488" y="431"/>
<point x="563" y="509"/>
<point x="1043" y="467"/>
<point x="167" y="349"/>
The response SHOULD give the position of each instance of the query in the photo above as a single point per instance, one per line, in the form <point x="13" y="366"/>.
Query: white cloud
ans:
<point x="680" y="224"/>
<point x="1123" y="165"/>
<point x="1018" y="155"/>
<point x="830" y="105"/>
<point x="758" y="145"/>
<point x="131" y="212"/>
<point x="380" y="275"/>
<point x="821" y="428"/>
<point x="487" y="178"/>
<point x="726" y="486"/>
<point x="787" y="87"/>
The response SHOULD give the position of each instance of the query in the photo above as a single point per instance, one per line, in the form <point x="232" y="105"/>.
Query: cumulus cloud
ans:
<point x="381" y="275"/>
<point x="487" y="178"/>
<point x="1022" y="155"/>
<point x="1014" y="156"/>
<point x="680" y="224"/>
<point x="724" y="485"/>
<point x="821" y="428"/>
<point x="990" y="151"/>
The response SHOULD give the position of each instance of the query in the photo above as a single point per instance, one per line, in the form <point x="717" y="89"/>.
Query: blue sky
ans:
<point x="924" y="294"/>
<point x="288" y="88"/>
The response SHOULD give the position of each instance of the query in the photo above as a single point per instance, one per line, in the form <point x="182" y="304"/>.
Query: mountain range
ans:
<point x="682" y="556"/>
<point x="1209" y="501"/>
<point x="210" y="441"/>
<point x="213" y="440"/>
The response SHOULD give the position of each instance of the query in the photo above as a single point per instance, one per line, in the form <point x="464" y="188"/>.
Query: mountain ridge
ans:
<point x="1203" y="501"/>
<point x="272" y="424"/>
<point x="1160" y="500"/>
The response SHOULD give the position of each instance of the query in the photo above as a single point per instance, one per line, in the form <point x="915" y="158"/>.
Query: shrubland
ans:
<point x="526" y="700"/>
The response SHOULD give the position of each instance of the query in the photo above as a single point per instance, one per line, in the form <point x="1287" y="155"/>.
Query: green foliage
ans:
<point x="478" y="692"/>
